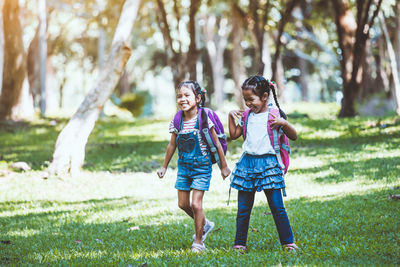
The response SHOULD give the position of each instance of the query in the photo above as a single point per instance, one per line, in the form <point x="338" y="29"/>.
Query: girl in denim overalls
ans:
<point x="258" y="168"/>
<point x="194" y="163"/>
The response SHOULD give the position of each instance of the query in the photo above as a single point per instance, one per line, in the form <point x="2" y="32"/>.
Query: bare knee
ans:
<point x="184" y="205"/>
<point x="197" y="206"/>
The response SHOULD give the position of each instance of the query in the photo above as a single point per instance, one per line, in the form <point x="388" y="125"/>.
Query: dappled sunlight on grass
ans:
<point x="117" y="212"/>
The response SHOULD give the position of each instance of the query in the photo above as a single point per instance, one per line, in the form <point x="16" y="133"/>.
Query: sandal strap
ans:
<point x="291" y="246"/>
<point x="198" y="246"/>
<point x="239" y="247"/>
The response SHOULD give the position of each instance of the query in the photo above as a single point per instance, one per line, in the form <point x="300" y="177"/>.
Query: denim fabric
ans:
<point x="257" y="173"/>
<point x="194" y="168"/>
<point x="275" y="202"/>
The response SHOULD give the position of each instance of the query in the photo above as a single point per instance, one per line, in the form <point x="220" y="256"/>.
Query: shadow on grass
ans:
<point x="34" y="144"/>
<point x="348" y="230"/>
<point x="368" y="170"/>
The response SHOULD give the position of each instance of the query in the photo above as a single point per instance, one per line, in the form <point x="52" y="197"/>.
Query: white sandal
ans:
<point x="198" y="247"/>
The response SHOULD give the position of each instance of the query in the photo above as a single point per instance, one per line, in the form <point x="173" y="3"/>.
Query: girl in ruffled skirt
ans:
<point x="258" y="168"/>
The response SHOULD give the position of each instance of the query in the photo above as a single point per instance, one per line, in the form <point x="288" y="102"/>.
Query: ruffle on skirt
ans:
<point x="256" y="173"/>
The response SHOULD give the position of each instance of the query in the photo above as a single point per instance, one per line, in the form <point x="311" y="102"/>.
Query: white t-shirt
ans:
<point x="189" y="126"/>
<point x="257" y="140"/>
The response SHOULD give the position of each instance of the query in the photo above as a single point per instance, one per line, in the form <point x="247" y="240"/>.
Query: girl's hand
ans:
<point x="161" y="172"/>
<point x="278" y="122"/>
<point x="236" y="114"/>
<point x="225" y="172"/>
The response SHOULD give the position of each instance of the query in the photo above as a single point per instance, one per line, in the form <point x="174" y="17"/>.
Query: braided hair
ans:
<point x="197" y="90"/>
<point x="259" y="85"/>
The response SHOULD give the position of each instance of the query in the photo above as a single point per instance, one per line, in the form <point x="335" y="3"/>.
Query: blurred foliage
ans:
<point x="134" y="102"/>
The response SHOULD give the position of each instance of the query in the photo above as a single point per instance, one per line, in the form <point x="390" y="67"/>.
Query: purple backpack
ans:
<point x="280" y="145"/>
<point x="205" y="113"/>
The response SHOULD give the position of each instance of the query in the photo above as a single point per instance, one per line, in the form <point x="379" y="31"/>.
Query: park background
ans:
<point x="88" y="90"/>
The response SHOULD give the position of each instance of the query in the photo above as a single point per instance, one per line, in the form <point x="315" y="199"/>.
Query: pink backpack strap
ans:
<point x="274" y="135"/>
<point x="243" y="122"/>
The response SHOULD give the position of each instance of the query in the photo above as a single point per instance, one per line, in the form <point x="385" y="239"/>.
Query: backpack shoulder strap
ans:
<point x="243" y="122"/>
<point x="275" y="137"/>
<point x="177" y="120"/>
<point x="203" y="124"/>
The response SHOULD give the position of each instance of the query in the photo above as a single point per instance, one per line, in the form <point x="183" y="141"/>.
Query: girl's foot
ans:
<point x="240" y="248"/>
<point x="206" y="230"/>
<point x="196" y="247"/>
<point x="290" y="247"/>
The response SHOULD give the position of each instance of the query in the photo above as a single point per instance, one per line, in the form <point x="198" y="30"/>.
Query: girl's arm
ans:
<point x="289" y="131"/>
<point x="225" y="171"/>
<point x="235" y="131"/>
<point x="168" y="155"/>
<point x="287" y="128"/>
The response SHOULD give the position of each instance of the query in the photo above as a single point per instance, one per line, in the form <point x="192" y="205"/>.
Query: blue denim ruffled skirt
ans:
<point x="256" y="173"/>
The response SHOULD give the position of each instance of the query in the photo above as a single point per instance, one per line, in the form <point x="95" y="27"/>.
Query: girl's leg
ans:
<point x="199" y="218"/>
<point x="184" y="202"/>
<point x="245" y="205"/>
<point x="278" y="211"/>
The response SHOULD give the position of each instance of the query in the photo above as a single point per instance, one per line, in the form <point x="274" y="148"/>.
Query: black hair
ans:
<point x="197" y="90"/>
<point x="259" y="85"/>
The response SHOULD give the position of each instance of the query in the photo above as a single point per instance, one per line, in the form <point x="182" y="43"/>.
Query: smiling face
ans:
<point x="186" y="98"/>
<point x="254" y="102"/>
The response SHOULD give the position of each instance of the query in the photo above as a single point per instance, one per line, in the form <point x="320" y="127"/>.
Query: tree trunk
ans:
<point x="33" y="69"/>
<point x="238" y="69"/>
<point x="393" y="63"/>
<point x="43" y="54"/>
<point x="14" y="71"/>
<point x="193" y="53"/>
<point x="216" y="40"/>
<point x="352" y="43"/>
<point x="280" y="79"/>
<point x="382" y="80"/>
<point x="1" y="45"/>
<point x="303" y="78"/>
<point x="367" y="82"/>
<point x="69" y="153"/>
<point x="278" y="43"/>
<point x="123" y="85"/>
<point x="397" y="36"/>
<point x="266" y="59"/>
<point x="52" y="94"/>
<point x="181" y="63"/>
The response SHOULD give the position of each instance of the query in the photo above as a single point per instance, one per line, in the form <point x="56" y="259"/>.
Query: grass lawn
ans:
<point x="117" y="212"/>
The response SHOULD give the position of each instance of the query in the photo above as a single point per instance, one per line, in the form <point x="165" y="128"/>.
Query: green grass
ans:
<point x="117" y="212"/>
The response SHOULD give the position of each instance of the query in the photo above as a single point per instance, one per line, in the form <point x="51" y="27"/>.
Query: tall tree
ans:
<point x="277" y="68"/>
<point x="69" y="152"/>
<point x="182" y="64"/>
<point x="353" y="34"/>
<point x="14" y="71"/>
<point x="238" y="68"/>
<point x="216" y="30"/>
<point x="1" y="46"/>
<point x="393" y="63"/>
<point x="255" y="20"/>
<point x="43" y="53"/>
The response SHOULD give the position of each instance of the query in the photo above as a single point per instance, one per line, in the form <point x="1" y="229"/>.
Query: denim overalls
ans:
<point x="194" y="168"/>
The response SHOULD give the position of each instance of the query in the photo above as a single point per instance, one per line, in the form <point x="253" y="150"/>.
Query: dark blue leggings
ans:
<point x="275" y="202"/>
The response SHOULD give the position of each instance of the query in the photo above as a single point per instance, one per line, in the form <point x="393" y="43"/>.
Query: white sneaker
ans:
<point x="207" y="229"/>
